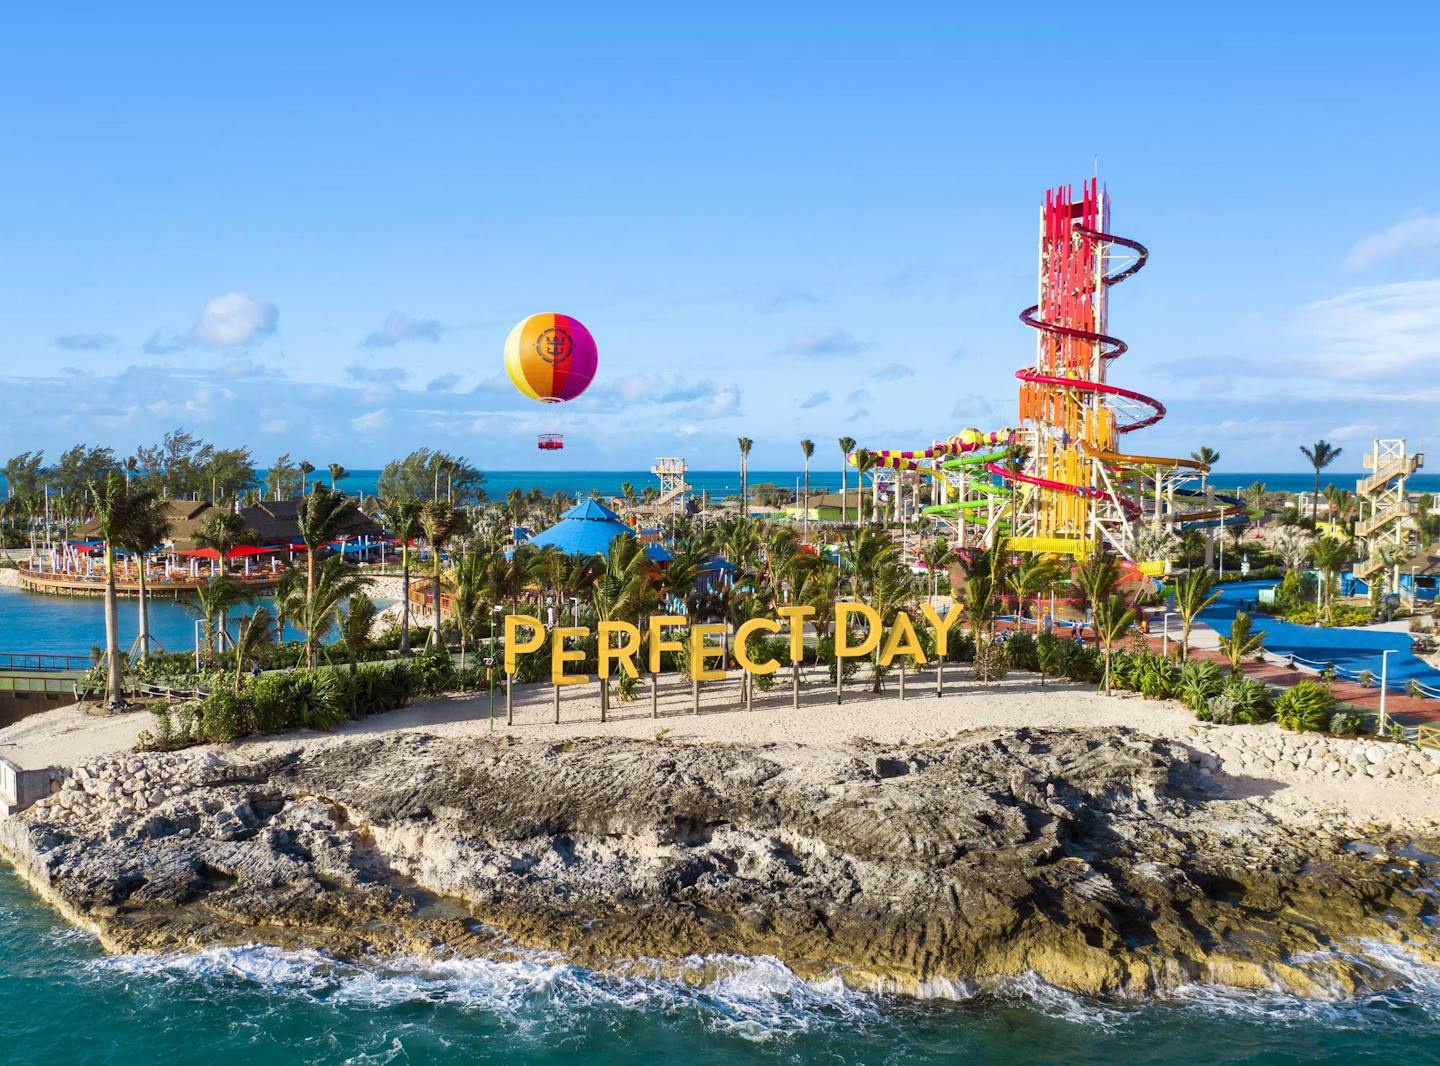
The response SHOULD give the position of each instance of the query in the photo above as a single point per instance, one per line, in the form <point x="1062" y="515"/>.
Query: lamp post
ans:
<point x="490" y="668"/>
<point x="1384" y="679"/>
<point x="1165" y="633"/>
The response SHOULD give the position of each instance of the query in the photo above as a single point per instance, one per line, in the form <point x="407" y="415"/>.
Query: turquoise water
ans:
<point x="61" y="1001"/>
<point x="71" y="625"/>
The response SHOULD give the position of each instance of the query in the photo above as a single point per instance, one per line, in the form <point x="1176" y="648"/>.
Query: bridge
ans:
<point x="31" y="682"/>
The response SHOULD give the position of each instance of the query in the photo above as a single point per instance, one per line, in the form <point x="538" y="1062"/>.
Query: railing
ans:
<point x="44" y="663"/>
<point x="1428" y="736"/>
<point x="1395" y="468"/>
<point x="1395" y="513"/>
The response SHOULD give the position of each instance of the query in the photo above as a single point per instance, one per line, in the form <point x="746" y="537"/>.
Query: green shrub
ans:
<point x="825" y="653"/>
<point x="1305" y="707"/>
<point x="1198" y="683"/>
<point x="1345" y="724"/>
<point x="272" y="701"/>
<point x="1050" y="655"/>
<point x="1020" y="651"/>
<point x="318" y="701"/>
<point x="1249" y="698"/>
<point x="223" y="716"/>
<point x="1082" y="662"/>
<point x="1156" y="676"/>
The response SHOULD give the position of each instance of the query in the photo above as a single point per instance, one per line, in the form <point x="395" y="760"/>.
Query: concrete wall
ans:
<point x="20" y="788"/>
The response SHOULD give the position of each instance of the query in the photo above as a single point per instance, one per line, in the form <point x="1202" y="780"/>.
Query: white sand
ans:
<point x="65" y="737"/>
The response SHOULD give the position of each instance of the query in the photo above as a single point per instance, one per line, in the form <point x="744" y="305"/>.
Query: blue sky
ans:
<point x="311" y="232"/>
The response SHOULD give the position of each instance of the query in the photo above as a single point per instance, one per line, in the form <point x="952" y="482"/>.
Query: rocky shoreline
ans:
<point x="1102" y="860"/>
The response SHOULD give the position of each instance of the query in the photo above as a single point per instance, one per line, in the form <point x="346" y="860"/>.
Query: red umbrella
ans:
<point x="249" y="549"/>
<point x="203" y="553"/>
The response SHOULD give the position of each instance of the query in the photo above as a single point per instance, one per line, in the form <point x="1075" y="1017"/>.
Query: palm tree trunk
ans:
<point x="144" y="614"/>
<point x="112" y="631"/>
<point x="806" y="511"/>
<point x="405" y="596"/>
<point x="435" y="634"/>
<point x="1315" y="500"/>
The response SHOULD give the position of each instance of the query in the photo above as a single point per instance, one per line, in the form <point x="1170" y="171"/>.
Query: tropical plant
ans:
<point x="1249" y="699"/>
<point x="337" y="474"/>
<point x="1094" y="578"/>
<point x="117" y="513"/>
<point x="1292" y="544"/>
<point x="255" y="632"/>
<point x="335" y="583"/>
<point x="439" y="521"/>
<point x="1192" y="595"/>
<point x="1329" y="556"/>
<point x="1305" y="706"/>
<point x="1113" y="620"/>
<point x="1033" y="576"/>
<point x="847" y="445"/>
<point x="1320" y="455"/>
<point x="222" y="532"/>
<point x="1199" y="682"/>
<point x="213" y="602"/>
<point x="355" y="625"/>
<point x="147" y="529"/>
<point x="402" y="516"/>
<point x="745" y="445"/>
<point x="321" y="517"/>
<point x="1242" y="642"/>
<point x="807" y="449"/>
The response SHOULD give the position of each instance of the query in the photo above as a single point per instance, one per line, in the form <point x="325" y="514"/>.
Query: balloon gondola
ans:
<point x="550" y="442"/>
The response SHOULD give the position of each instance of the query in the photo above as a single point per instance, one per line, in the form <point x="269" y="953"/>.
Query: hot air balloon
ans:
<point x="550" y="358"/>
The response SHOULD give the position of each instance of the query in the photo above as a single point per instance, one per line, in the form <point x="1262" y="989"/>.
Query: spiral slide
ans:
<point x="1216" y="517"/>
<point x="1051" y="394"/>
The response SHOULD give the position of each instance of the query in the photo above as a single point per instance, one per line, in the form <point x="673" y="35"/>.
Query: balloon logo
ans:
<point x="550" y="357"/>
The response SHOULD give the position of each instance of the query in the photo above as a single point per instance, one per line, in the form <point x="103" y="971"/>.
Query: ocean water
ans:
<point x="63" y="1001"/>
<point x="824" y="477"/>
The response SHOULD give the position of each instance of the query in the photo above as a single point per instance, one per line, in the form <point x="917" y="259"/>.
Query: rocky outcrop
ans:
<point x="1101" y="860"/>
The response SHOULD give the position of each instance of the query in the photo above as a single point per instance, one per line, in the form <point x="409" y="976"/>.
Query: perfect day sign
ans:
<point x="620" y="643"/>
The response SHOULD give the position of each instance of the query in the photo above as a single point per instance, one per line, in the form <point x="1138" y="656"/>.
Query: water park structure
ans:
<point x="1385" y="510"/>
<point x="1058" y="482"/>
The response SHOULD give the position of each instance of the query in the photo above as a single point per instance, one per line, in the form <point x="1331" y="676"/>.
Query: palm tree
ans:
<point x="623" y="590"/>
<point x="1320" y="455"/>
<point x="335" y="582"/>
<point x="115" y="515"/>
<point x="321" y="516"/>
<point x="213" y="601"/>
<point x="471" y="602"/>
<point x="847" y="445"/>
<point x="1113" y="620"/>
<point x="894" y="591"/>
<point x="337" y="473"/>
<point x="1329" y="556"/>
<point x="937" y="555"/>
<point x="439" y="522"/>
<point x="1254" y="496"/>
<point x="1094" y="578"/>
<point x="1207" y="455"/>
<point x="402" y="516"/>
<point x="745" y="445"/>
<point x="148" y="529"/>
<point x="255" y="631"/>
<point x="1242" y="643"/>
<point x="807" y="449"/>
<point x="1033" y="576"/>
<point x="306" y="469"/>
<point x="355" y="626"/>
<point x="289" y="600"/>
<point x="1193" y="595"/>
<point x="223" y="531"/>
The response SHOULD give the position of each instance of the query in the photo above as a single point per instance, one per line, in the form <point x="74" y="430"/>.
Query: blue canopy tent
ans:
<point x="588" y="528"/>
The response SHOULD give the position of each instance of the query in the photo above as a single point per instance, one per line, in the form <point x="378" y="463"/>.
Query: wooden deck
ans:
<point x="157" y="586"/>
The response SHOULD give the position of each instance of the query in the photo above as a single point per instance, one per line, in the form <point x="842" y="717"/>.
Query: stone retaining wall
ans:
<point x="1269" y="751"/>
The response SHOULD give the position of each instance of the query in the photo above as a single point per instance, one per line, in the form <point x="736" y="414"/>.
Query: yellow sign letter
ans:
<point x="625" y="653"/>
<point x="514" y="645"/>
<point x="701" y="653"/>
<point x="742" y="635"/>
<point x="902" y="640"/>
<point x="560" y="655"/>
<point x="843" y="610"/>
<point x="941" y="626"/>
<point x="658" y="643"/>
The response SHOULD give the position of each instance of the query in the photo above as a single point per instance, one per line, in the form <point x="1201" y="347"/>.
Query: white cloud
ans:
<point x="399" y="328"/>
<point x="370" y="421"/>
<point x="815" y="399"/>
<point x="233" y="320"/>
<point x="971" y="405"/>
<point x="892" y="372"/>
<point x="376" y="375"/>
<point x="1416" y="237"/>
<point x="1370" y="332"/>
<point x="724" y="401"/>
<point x="825" y="342"/>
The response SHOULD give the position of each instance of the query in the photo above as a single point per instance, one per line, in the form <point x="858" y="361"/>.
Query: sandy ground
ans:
<point x="819" y="730"/>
